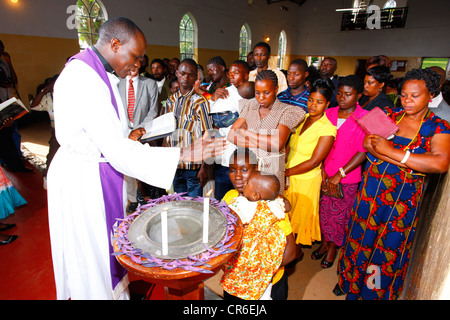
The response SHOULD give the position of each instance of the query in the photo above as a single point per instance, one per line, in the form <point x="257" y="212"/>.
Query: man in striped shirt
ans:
<point x="192" y="116"/>
<point x="296" y="94"/>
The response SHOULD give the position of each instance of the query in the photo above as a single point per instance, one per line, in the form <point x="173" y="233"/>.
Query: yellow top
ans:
<point x="301" y="147"/>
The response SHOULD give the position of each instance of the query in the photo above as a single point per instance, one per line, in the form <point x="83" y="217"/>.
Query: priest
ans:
<point x="85" y="180"/>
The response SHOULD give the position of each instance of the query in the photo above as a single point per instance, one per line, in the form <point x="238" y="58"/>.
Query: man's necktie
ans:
<point x="131" y="100"/>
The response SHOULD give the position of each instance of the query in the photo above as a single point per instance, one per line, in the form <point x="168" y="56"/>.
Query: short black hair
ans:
<point x="120" y="28"/>
<point x="262" y="44"/>
<point x="157" y="60"/>
<point x="352" y="81"/>
<point x="243" y="64"/>
<point x="313" y="74"/>
<point x="332" y="59"/>
<point x="324" y="86"/>
<point x="302" y="63"/>
<point x="190" y="62"/>
<point x="380" y="73"/>
<point x="217" y="60"/>
<point x="431" y="78"/>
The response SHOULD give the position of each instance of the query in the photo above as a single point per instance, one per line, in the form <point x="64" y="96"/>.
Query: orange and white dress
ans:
<point x="249" y="273"/>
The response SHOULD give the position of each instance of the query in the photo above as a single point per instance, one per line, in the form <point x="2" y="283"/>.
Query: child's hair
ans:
<point x="268" y="184"/>
<point x="431" y="78"/>
<point x="300" y="62"/>
<point x="247" y="153"/>
<point x="313" y="74"/>
<point x="242" y="63"/>
<point x="247" y="90"/>
<point x="324" y="86"/>
<point x="267" y="75"/>
<point x="174" y="79"/>
<point x="352" y="81"/>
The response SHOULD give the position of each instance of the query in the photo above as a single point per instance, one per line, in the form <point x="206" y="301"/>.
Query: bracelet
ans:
<point x="406" y="157"/>
<point x="341" y="170"/>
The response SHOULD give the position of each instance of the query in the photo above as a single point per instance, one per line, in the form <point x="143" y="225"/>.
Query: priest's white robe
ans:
<point x="87" y="126"/>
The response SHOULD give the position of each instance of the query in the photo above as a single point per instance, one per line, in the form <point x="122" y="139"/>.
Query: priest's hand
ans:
<point x="204" y="148"/>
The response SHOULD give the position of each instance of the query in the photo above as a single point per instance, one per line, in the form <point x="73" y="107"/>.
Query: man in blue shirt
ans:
<point x="296" y="94"/>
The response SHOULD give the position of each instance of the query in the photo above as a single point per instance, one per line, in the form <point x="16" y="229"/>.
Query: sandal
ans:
<point x="338" y="291"/>
<point x="316" y="255"/>
<point x="326" y="264"/>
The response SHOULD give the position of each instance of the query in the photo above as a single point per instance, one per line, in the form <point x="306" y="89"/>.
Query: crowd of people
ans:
<point x="345" y="189"/>
<point x="352" y="192"/>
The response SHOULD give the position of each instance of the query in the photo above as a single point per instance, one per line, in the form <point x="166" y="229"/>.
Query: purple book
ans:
<point x="377" y="122"/>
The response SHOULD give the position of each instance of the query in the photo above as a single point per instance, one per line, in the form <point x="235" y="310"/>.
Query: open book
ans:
<point x="12" y="108"/>
<point x="159" y="127"/>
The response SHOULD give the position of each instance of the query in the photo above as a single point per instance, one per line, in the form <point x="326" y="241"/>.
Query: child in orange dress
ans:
<point x="248" y="275"/>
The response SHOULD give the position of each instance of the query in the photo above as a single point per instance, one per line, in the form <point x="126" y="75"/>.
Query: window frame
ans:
<point x="193" y="54"/>
<point x="89" y="37"/>
<point x="281" y="61"/>
<point x="245" y="44"/>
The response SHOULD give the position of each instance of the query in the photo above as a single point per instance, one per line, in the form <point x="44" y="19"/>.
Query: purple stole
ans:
<point x="111" y="179"/>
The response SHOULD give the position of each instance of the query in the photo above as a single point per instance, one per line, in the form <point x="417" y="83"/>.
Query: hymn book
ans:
<point x="12" y="108"/>
<point x="159" y="127"/>
<point x="377" y="122"/>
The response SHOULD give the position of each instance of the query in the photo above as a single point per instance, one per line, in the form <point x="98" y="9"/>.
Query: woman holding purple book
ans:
<point x="374" y="259"/>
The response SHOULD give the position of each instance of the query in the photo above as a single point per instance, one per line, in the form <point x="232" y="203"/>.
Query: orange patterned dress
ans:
<point x="248" y="274"/>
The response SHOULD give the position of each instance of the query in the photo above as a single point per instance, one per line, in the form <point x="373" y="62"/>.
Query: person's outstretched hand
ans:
<point x="204" y="148"/>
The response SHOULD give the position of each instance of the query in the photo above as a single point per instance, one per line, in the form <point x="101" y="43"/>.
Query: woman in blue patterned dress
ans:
<point x="375" y="257"/>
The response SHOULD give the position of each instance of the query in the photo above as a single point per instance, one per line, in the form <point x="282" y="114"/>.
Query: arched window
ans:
<point x="90" y="16"/>
<point x="245" y="42"/>
<point x="188" y="37"/>
<point x="281" y="50"/>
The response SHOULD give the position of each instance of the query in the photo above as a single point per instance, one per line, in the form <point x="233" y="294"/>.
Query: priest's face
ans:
<point x="127" y="56"/>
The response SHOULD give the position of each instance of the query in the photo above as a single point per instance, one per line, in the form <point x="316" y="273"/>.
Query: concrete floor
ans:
<point x="307" y="281"/>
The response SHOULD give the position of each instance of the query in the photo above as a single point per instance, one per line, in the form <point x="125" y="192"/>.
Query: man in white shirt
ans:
<point x="159" y="71"/>
<point x="261" y="55"/>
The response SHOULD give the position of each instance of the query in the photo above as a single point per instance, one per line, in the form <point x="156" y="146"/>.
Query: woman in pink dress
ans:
<point x="342" y="166"/>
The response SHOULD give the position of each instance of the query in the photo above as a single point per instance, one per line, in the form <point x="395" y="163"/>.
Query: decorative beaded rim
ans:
<point x="190" y="263"/>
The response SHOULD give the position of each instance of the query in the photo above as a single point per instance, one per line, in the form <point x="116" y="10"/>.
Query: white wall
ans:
<point x="312" y="29"/>
<point x="426" y="33"/>
<point x="219" y="21"/>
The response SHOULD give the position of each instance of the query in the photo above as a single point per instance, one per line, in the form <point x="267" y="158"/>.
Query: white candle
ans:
<point x="164" y="233"/>
<point x="206" y="217"/>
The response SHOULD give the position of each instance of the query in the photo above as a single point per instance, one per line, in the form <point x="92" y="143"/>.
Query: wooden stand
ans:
<point x="181" y="284"/>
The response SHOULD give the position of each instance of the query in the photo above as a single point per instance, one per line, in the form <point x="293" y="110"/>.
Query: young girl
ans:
<point x="342" y="165"/>
<point x="264" y="125"/>
<point x="243" y="164"/>
<point x="10" y="199"/>
<point x="308" y="147"/>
